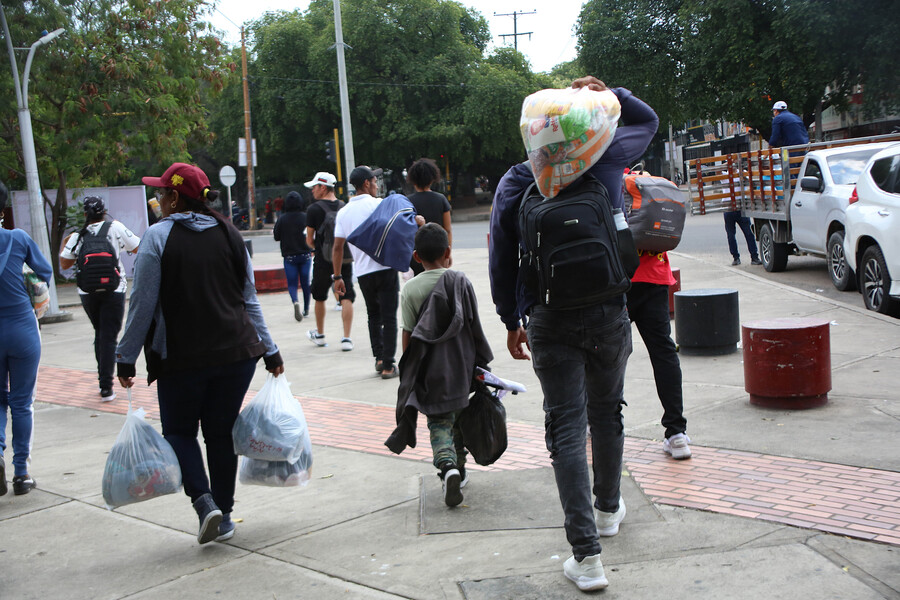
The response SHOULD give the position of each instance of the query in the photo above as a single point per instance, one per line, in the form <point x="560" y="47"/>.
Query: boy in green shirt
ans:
<point x="432" y="249"/>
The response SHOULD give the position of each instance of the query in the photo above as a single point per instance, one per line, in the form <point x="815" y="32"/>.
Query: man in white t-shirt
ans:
<point x="380" y="285"/>
<point x="105" y="309"/>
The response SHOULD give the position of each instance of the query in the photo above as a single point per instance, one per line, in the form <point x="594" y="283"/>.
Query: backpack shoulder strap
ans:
<point x="104" y="229"/>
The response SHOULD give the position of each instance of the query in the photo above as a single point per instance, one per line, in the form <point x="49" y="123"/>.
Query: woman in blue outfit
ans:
<point x="20" y="348"/>
<point x="290" y="230"/>
<point x="194" y="312"/>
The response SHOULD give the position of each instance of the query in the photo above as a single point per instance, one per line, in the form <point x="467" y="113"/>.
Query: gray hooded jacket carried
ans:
<point x="437" y="368"/>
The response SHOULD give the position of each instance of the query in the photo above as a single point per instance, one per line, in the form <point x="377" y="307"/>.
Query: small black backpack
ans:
<point x="97" y="265"/>
<point x="325" y="232"/>
<point x="574" y="254"/>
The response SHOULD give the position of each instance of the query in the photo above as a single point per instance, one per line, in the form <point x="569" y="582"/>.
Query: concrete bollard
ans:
<point x="707" y="321"/>
<point x="787" y="362"/>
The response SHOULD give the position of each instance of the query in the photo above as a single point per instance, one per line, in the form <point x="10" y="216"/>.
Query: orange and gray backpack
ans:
<point x="656" y="211"/>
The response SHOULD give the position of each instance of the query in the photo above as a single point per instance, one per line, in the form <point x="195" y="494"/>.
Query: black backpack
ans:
<point x="574" y="255"/>
<point x="325" y="232"/>
<point x="97" y="265"/>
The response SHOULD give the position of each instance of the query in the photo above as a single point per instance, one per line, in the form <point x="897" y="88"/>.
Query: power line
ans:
<point x="515" y="34"/>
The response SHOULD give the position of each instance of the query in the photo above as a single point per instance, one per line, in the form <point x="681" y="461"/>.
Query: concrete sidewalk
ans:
<point x="372" y="525"/>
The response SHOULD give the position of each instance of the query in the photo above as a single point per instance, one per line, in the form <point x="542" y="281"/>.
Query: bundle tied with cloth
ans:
<point x="566" y="132"/>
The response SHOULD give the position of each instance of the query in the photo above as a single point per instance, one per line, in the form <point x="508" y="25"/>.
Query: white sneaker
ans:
<point x="608" y="523"/>
<point x="298" y="312"/>
<point x="316" y="338"/>
<point x="346" y="344"/>
<point x="588" y="574"/>
<point x="337" y="306"/>
<point x="677" y="446"/>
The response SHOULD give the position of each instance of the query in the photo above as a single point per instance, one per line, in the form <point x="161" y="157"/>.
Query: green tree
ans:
<point x="636" y="44"/>
<point x="121" y="88"/>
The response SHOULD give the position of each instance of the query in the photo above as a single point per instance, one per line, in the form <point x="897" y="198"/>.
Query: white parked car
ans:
<point x="872" y="241"/>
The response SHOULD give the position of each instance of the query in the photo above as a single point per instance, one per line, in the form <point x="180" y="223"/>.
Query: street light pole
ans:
<point x="29" y="157"/>
<point x="345" y="97"/>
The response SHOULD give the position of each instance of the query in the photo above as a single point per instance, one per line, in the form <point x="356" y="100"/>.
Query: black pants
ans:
<point x="381" y="291"/>
<point x="209" y="398"/>
<point x="105" y="310"/>
<point x="648" y="308"/>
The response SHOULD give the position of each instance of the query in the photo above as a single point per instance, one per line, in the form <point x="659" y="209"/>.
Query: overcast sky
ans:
<point x="552" y="39"/>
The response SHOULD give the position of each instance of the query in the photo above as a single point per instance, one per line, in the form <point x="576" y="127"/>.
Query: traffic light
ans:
<point x="329" y="151"/>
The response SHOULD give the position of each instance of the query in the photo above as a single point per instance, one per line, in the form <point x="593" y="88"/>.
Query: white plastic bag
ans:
<point x="141" y="465"/>
<point x="566" y="132"/>
<point x="272" y="427"/>
<point x="278" y="473"/>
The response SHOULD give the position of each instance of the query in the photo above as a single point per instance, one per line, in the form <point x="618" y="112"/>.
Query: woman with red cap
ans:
<point x="194" y="310"/>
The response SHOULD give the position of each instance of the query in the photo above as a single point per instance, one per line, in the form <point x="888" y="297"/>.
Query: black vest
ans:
<point x="203" y="304"/>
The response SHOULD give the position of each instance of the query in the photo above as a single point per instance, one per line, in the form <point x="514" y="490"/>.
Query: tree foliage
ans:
<point x="731" y="59"/>
<point x="419" y="85"/>
<point x="122" y="87"/>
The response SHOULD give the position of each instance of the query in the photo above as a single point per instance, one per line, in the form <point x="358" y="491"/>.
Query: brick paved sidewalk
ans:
<point x="852" y="501"/>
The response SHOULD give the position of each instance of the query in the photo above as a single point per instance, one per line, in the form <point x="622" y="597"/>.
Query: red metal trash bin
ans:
<point x="787" y="362"/>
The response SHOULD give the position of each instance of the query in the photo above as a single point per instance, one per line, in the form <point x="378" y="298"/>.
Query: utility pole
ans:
<point x="515" y="34"/>
<point x="350" y="161"/>
<point x="29" y="157"/>
<point x="248" y="137"/>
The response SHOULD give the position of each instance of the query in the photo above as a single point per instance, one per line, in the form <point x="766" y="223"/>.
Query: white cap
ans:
<point x="780" y="105"/>
<point x="321" y="178"/>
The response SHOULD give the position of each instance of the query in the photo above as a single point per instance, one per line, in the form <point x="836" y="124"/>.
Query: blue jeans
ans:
<point x="732" y="218"/>
<point x="20" y="353"/>
<point x="297" y="267"/>
<point x="579" y="356"/>
<point x="209" y="398"/>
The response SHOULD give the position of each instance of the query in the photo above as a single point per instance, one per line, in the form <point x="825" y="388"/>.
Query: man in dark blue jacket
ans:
<point x="787" y="128"/>
<point x="579" y="354"/>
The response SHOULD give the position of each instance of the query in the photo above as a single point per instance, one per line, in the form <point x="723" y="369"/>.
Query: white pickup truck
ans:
<point x="812" y="222"/>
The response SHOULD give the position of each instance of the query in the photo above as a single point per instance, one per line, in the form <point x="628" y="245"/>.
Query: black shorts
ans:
<point x="321" y="280"/>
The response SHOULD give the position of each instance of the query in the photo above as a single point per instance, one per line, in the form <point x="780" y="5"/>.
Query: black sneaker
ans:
<point x="3" y="487"/>
<point x="450" y="481"/>
<point x="755" y="261"/>
<point x="210" y="517"/>
<point x="226" y="528"/>
<point x="22" y="484"/>
<point x="463" y="478"/>
<point x="107" y="394"/>
<point x="735" y="262"/>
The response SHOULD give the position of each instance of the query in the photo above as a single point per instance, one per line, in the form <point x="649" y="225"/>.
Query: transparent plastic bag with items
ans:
<point x="566" y="132"/>
<point x="278" y="473"/>
<point x="272" y="427"/>
<point x="141" y="464"/>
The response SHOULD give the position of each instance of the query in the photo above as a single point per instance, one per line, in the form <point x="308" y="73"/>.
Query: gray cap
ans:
<point x="362" y="174"/>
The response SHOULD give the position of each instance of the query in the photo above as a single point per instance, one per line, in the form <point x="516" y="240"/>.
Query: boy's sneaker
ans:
<point x="298" y="312"/>
<point x="346" y="344"/>
<point x="450" y="481"/>
<point x="107" y="394"/>
<point x="588" y="574"/>
<point x="678" y="446"/>
<point x="3" y="486"/>
<point x="226" y="528"/>
<point x="316" y="338"/>
<point x="22" y="484"/>
<point x="337" y="306"/>
<point x="210" y="517"/>
<point x="608" y="523"/>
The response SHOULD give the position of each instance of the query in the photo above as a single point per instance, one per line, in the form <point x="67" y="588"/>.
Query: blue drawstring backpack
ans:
<point x="389" y="234"/>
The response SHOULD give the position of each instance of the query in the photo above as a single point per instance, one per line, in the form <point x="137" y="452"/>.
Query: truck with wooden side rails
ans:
<point x="795" y="195"/>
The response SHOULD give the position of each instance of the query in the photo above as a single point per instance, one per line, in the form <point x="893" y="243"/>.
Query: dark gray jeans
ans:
<point x="579" y="356"/>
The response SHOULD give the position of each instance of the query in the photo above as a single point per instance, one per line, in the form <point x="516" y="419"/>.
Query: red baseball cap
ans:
<point x="189" y="180"/>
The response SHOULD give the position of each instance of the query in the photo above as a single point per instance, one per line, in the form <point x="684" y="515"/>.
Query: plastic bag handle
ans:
<point x="129" y="399"/>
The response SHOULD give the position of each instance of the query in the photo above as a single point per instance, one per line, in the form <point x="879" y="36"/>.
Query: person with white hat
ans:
<point x="787" y="128"/>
